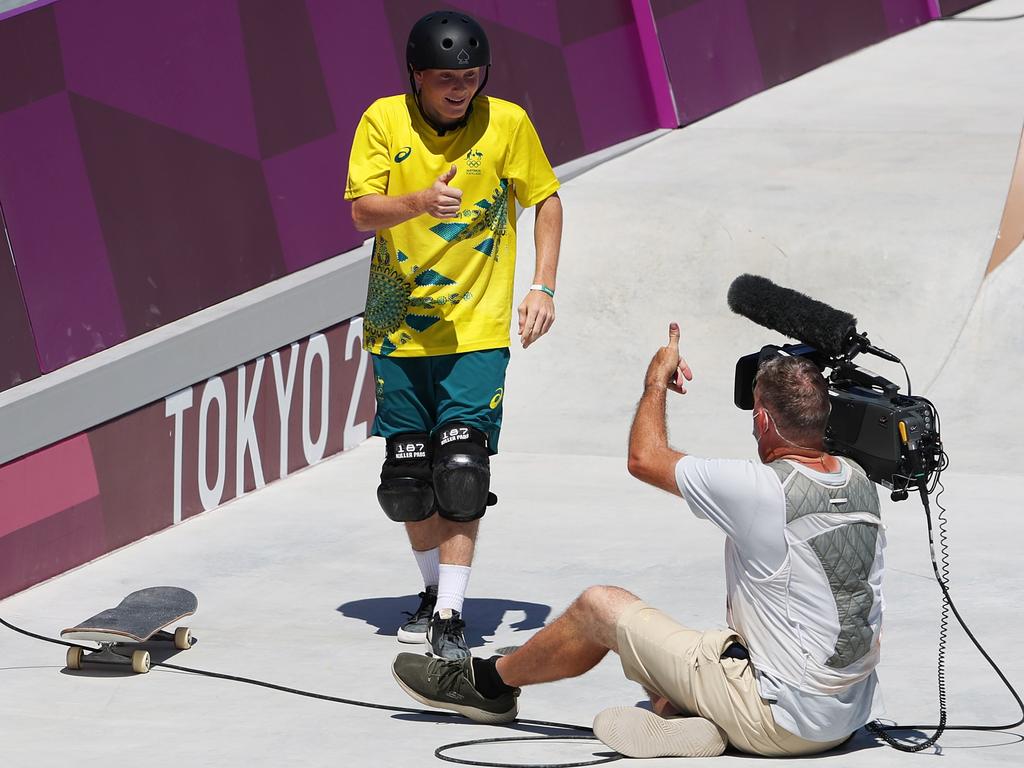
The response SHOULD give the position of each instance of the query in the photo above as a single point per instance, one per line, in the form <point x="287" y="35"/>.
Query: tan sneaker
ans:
<point x="636" y="732"/>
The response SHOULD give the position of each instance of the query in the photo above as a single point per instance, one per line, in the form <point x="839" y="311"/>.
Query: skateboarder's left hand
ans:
<point x="536" y="316"/>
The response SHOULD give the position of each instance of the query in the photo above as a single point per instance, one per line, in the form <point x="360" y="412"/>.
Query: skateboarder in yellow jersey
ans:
<point x="436" y="174"/>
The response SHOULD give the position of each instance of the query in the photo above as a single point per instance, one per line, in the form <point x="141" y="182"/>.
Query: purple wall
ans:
<point x="18" y="361"/>
<point x="158" y="158"/>
<point x="719" y="52"/>
<point x="953" y="7"/>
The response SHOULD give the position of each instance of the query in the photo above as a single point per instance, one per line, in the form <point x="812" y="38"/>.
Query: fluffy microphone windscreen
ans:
<point x="791" y="313"/>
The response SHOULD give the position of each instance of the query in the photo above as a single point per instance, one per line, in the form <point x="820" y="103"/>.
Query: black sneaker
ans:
<point x="445" y="635"/>
<point x="450" y="685"/>
<point x="415" y="629"/>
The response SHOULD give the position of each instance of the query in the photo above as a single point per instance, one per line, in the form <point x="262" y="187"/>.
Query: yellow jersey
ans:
<point x="441" y="286"/>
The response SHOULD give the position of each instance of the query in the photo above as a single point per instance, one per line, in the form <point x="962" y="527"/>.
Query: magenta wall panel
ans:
<point x="28" y="490"/>
<point x="186" y="223"/>
<point x="56" y="234"/>
<point x="720" y="51"/>
<point x="285" y="76"/>
<point x="51" y="517"/>
<point x="157" y="158"/>
<point x="304" y="186"/>
<point x="30" y="48"/>
<point x="18" y="361"/>
<point x="901" y="15"/>
<point x="632" y="112"/>
<point x="795" y="36"/>
<point x="710" y="53"/>
<point x="180" y="65"/>
<point x="51" y="546"/>
<point x="191" y="452"/>
<point x="953" y="7"/>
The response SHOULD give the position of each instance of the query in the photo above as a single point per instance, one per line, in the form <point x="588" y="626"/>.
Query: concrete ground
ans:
<point x="875" y="184"/>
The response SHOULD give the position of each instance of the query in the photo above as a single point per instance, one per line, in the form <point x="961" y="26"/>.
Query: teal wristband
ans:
<point x="544" y="289"/>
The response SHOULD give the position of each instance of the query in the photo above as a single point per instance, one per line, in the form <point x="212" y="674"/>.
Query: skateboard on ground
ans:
<point x="139" y="618"/>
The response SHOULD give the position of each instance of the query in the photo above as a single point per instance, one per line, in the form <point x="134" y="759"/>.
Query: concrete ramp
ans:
<point x="978" y="389"/>
<point x="982" y="373"/>
<point x="875" y="184"/>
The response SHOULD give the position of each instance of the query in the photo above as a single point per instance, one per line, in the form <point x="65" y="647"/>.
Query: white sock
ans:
<point x="451" y="587"/>
<point x="428" y="560"/>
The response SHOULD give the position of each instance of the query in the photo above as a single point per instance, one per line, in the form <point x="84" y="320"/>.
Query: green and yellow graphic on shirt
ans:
<point x="441" y="286"/>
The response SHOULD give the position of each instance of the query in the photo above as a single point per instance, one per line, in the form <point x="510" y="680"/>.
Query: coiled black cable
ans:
<point x="941" y="572"/>
<point x="875" y="727"/>
<point x="440" y="752"/>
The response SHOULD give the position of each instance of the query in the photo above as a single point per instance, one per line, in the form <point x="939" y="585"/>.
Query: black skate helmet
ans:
<point x="447" y="40"/>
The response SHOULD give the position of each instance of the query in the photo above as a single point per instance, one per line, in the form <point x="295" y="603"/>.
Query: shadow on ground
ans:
<point x="484" y="615"/>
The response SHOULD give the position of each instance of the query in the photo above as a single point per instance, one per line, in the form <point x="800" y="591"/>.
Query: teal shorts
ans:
<point x="419" y="394"/>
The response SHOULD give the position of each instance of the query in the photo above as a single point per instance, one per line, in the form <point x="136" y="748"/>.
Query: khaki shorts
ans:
<point x="686" y="667"/>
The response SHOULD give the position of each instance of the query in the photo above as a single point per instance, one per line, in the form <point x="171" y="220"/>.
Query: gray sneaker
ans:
<point x="445" y="635"/>
<point x="415" y="629"/>
<point x="450" y="685"/>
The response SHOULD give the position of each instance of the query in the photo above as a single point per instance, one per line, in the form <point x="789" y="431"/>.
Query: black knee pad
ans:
<point x="461" y="472"/>
<point x="406" y="492"/>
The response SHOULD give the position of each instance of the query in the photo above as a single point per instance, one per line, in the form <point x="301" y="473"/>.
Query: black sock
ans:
<point x="486" y="678"/>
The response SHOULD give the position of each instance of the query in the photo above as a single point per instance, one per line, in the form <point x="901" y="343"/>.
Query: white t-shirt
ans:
<point x="747" y="501"/>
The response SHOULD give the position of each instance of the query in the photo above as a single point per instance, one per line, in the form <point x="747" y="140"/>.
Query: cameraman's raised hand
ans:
<point x="651" y="458"/>
<point x="440" y="200"/>
<point x="668" y="369"/>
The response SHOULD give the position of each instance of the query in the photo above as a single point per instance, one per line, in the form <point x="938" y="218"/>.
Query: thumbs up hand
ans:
<point x="441" y="200"/>
<point x="448" y="175"/>
<point x="668" y="369"/>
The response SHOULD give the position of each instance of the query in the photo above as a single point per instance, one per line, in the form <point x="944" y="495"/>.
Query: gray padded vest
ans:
<point x="846" y="553"/>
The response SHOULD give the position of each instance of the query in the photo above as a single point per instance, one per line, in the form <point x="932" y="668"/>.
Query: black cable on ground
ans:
<point x="439" y="752"/>
<point x="444" y="747"/>
<point x="387" y="707"/>
<point x="340" y="700"/>
<point x="34" y="636"/>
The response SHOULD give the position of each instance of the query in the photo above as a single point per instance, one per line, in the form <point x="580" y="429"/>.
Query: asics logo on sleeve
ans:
<point x="403" y="153"/>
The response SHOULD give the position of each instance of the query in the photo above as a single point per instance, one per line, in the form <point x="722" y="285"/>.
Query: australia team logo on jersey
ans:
<point x="474" y="159"/>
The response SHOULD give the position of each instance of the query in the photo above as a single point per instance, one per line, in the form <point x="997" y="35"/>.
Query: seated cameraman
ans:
<point x="794" y="674"/>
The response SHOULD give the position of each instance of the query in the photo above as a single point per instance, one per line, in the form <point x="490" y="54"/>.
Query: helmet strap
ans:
<point x="443" y="129"/>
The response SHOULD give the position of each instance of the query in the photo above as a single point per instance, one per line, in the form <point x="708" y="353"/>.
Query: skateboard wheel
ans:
<point x="183" y="638"/>
<point x="140" y="662"/>
<point x="74" y="658"/>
